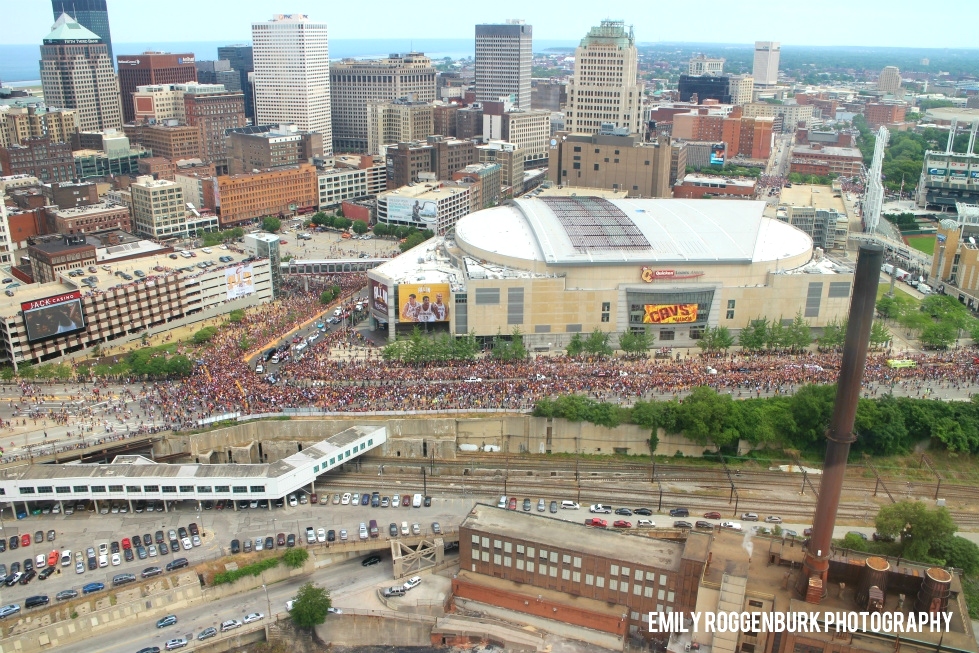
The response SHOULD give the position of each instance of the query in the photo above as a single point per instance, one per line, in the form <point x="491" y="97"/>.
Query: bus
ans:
<point x="897" y="363"/>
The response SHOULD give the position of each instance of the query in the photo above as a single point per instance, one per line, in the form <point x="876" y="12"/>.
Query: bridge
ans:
<point x="331" y="266"/>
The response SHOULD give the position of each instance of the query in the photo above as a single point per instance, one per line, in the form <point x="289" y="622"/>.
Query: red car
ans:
<point x="807" y="532"/>
<point x="621" y="523"/>
<point x="406" y="500"/>
<point x="313" y="498"/>
<point x="595" y="522"/>
<point x="126" y="544"/>
<point x="712" y="515"/>
<point x="25" y="540"/>
<point x="513" y="503"/>
<point x="283" y="242"/>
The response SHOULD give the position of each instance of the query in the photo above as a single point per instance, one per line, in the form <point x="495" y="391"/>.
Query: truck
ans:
<point x="599" y="508"/>
<point x="888" y="268"/>
<point x="595" y="522"/>
<point x="924" y="289"/>
<point x="900" y="274"/>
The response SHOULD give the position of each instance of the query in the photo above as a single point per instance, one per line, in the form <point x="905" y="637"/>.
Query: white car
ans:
<point x="773" y="519"/>
<point x="79" y="567"/>
<point x="116" y="560"/>
<point x="412" y="583"/>
<point x="66" y="557"/>
<point x="259" y="369"/>
<point x="645" y="523"/>
<point x="195" y="540"/>
<point x="253" y="617"/>
<point x="230" y="624"/>
<point x="396" y="501"/>
<point x="343" y="534"/>
<point x="363" y="531"/>
<point x="40" y="562"/>
<point x="188" y="545"/>
<point x="346" y="499"/>
<point x="104" y="560"/>
<point x="404" y="528"/>
<point x="292" y="501"/>
<point x="103" y="549"/>
<point x="731" y="525"/>
<point x="321" y="535"/>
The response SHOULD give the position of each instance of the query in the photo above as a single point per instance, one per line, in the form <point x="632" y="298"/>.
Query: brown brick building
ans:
<point x="816" y="159"/>
<point x="172" y="142"/>
<point x="634" y="573"/>
<point x="614" y="162"/>
<point x="444" y="118"/>
<point x="70" y="195"/>
<point x="48" y="160"/>
<point x="157" y="167"/>
<point x="87" y="219"/>
<point x="213" y="113"/>
<point x="438" y="154"/>
<point x="151" y="68"/>
<point x="57" y="255"/>
<point x="885" y="113"/>
<point x="282" y="191"/>
<point x="749" y="137"/>
<point x="263" y="147"/>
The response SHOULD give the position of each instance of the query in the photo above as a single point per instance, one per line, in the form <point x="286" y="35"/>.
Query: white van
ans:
<point x="569" y="505"/>
<point x="416" y="501"/>
<point x="502" y="502"/>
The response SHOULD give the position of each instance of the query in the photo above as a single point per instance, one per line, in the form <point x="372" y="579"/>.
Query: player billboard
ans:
<point x="421" y="213"/>
<point x="423" y="302"/>
<point x="379" y="298"/>
<point x="718" y="154"/>
<point x="239" y="281"/>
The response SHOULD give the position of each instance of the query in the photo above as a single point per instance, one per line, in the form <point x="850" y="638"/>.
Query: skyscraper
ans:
<point x="90" y="14"/>
<point x="240" y="57"/>
<point x="765" y="70"/>
<point x="504" y="54"/>
<point x="151" y="68"/>
<point x="604" y="89"/>
<point x="292" y="74"/>
<point x="80" y="78"/>
<point x="889" y="80"/>
<point x="355" y="83"/>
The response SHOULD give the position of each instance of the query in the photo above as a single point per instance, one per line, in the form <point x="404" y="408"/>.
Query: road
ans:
<point x="342" y="580"/>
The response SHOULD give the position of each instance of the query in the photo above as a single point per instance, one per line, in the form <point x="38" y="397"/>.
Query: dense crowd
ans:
<point x="326" y="379"/>
<point x="772" y="181"/>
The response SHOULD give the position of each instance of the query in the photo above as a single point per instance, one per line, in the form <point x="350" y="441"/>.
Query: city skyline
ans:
<point x="28" y="22"/>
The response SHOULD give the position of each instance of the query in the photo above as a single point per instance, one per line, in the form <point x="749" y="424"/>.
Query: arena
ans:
<point x="555" y="266"/>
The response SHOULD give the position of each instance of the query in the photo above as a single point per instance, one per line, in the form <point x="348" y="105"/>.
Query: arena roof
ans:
<point x="630" y="231"/>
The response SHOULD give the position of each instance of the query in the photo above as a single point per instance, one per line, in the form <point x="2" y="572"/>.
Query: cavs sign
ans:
<point x="669" y="313"/>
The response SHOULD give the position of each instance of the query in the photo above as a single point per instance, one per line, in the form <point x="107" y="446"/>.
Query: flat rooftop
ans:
<point x="425" y="191"/>
<point x="818" y="197"/>
<point x="849" y="152"/>
<point x="727" y="181"/>
<point x="729" y="555"/>
<point x="592" y="541"/>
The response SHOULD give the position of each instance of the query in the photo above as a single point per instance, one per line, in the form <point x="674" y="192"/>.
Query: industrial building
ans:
<point x="135" y="478"/>
<point x="817" y="210"/>
<point x="556" y="266"/>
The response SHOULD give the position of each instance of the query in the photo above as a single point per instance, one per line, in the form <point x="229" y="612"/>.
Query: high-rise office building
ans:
<point x="80" y="78"/>
<point x="292" y="74"/>
<point x="398" y="121"/>
<point x="240" y="58"/>
<point x="355" y="83"/>
<point x="90" y="14"/>
<point x="504" y="54"/>
<point x="765" y="70"/>
<point x="218" y="72"/>
<point x="137" y="70"/>
<point x="702" y="65"/>
<point x="604" y="89"/>
<point x="889" y="80"/>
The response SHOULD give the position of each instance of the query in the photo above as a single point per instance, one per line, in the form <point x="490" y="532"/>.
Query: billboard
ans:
<point x="669" y="313"/>
<point x="718" y="151"/>
<point x="60" y="315"/>
<point x="379" y="298"/>
<point x="422" y="213"/>
<point x="936" y="172"/>
<point x="423" y="302"/>
<point x="239" y="281"/>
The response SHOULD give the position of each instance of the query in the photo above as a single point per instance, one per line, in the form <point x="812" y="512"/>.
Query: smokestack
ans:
<point x="840" y="435"/>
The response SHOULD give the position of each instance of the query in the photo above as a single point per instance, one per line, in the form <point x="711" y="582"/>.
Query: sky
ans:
<point x="896" y="23"/>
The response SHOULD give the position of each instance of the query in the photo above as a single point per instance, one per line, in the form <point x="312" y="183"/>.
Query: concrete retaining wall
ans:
<point x="424" y="437"/>
<point x="375" y="630"/>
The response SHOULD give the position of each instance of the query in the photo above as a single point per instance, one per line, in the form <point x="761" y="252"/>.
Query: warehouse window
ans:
<point x="83" y="488"/>
<point x="514" y="306"/>
<point x="151" y="488"/>
<point x="63" y="489"/>
<point x="186" y="488"/>
<point x="98" y="488"/>
<point x="542" y="328"/>
<point x="596" y="167"/>
<point x="27" y="490"/>
<point x="206" y="489"/>
<point x="222" y="488"/>
<point x="487" y="296"/>
<point x="115" y="488"/>
<point x="576" y="165"/>
<point x="730" y="315"/>
<point x="542" y="570"/>
<point x="813" y="298"/>
<point x="572" y="328"/>
<point x="666" y="334"/>
<point x="462" y="315"/>
<point x="696" y="333"/>
<point x="170" y="488"/>
<point x="577" y="148"/>
<point x="839" y="289"/>
<point x="258" y="488"/>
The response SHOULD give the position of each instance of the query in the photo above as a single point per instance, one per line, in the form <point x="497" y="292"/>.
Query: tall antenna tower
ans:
<point x="875" y="187"/>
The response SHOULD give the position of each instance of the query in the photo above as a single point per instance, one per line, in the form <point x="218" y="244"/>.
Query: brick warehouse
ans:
<point x="506" y="557"/>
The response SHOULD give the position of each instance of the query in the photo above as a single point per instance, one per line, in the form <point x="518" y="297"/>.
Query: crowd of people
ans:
<point x="772" y="181"/>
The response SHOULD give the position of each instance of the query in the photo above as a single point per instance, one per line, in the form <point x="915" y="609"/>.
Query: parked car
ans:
<point x="169" y="620"/>
<point x="773" y="519"/>
<point x="621" y="523"/>
<point x="253" y="617"/>
<point x="749" y="516"/>
<point x="206" y="634"/>
<point x="412" y="583"/>
<point x="682" y="524"/>
<point x="713" y="514"/>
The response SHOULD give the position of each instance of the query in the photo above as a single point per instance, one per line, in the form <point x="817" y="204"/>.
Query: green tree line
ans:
<point x="885" y="425"/>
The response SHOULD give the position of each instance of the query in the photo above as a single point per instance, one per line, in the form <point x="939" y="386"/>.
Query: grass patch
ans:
<point x="254" y="569"/>
<point x="924" y="244"/>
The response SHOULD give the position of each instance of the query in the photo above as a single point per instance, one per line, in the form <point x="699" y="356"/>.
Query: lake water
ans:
<point x="19" y="63"/>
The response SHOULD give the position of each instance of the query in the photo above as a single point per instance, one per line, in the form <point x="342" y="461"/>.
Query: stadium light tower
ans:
<point x="875" y="187"/>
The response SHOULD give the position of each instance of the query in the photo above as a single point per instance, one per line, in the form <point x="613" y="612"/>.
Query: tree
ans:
<point x="596" y="344"/>
<point x="576" y="346"/>
<point x="411" y="242"/>
<point x="271" y="224"/>
<point x="888" y="307"/>
<point x="752" y="337"/>
<point x="509" y="350"/>
<point x="880" y="335"/>
<point x="359" y="227"/>
<point x="326" y="296"/>
<point x="310" y="607"/>
<point x="339" y="212"/>
<point x="179" y="365"/>
<point x="341" y="223"/>
<point x="205" y="335"/>
<point x="295" y="558"/>
<point x="236" y="316"/>
<point x="635" y="343"/>
<point x="776" y="336"/>
<point x="955" y="551"/>
<point x="939" y="335"/>
<point x="918" y="526"/>
<point x="319" y="219"/>
<point x="381" y="230"/>
<point x="716" y="339"/>
<point x="833" y="335"/>
<point x="799" y="336"/>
